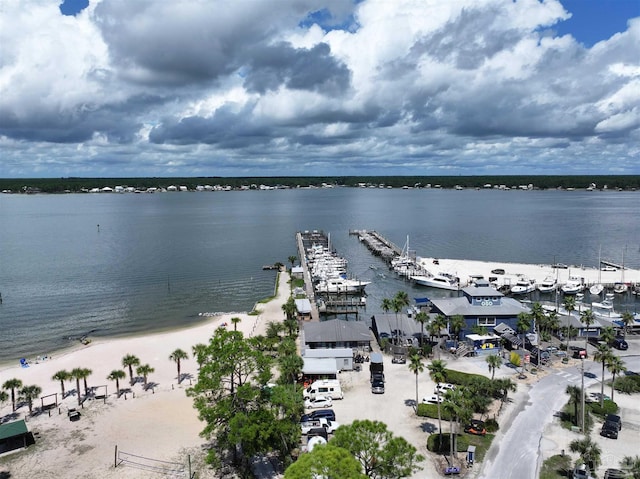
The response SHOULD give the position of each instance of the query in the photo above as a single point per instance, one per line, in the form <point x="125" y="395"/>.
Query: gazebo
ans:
<point x="13" y="435"/>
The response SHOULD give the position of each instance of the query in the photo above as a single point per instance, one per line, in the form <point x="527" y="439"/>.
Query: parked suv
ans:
<point x="609" y="430"/>
<point x="325" y="413"/>
<point x="620" y="343"/>
<point x="614" y="419"/>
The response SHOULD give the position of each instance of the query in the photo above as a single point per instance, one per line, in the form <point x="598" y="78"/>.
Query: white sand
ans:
<point x="464" y="269"/>
<point x="159" y="423"/>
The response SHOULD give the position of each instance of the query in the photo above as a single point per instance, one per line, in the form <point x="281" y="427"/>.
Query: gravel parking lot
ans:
<point x="395" y="407"/>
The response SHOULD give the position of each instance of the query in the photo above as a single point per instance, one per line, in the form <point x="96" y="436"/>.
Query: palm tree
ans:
<point x="400" y="301"/>
<point x="416" y="367"/>
<point x="422" y="318"/>
<point x="199" y="351"/>
<point x="494" y="362"/>
<point x="456" y="325"/>
<point x="603" y="354"/>
<point x="616" y="366"/>
<point x="3" y="397"/>
<point x="523" y="325"/>
<point x="632" y="465"/>
<point x="144" y="371"/>
<point x="505" y="385"/>
<point x="28" y="394"/>
<point x="130" y="361"/>
<point x="116" y="375"/>
<point x="178" y="355"/>
<point x="438" y="374"/>
<point x="12" y="385"/>
<point x="607" y="335"/>
<point x="553" y="321"/>
<point x="292" y="260"/>
<point x="588" y="450"/>
<point x="456" y="404"/>
<point x="235" y="320"/>
<point x="436" y="327"/>
<point x="290" y="311"/>
<point x="78" y="374"/>
<point x="627" y="320"/>
<point x="587" y="318"/>
<point x="538" y="315"/>
<point x="575" y="397"/>
<point x="61" y="376"/>
<point x="569" y="306"/>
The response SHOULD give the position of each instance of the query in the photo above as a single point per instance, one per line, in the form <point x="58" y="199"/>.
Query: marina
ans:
<point x="510" y="278"/>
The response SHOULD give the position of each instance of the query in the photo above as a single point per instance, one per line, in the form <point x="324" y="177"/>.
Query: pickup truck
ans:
<point x="329" y="426"/>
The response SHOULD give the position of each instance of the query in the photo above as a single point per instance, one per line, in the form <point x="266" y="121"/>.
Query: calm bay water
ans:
<point x="114" y="264"/>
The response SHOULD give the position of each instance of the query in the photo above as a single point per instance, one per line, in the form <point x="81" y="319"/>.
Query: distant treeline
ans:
<point x="61" y="185"/>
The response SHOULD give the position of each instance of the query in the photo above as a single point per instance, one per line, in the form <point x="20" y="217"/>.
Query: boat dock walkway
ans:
<point x="304" y="240"/>
<point x="377" y="244"/>
<point x="327" y="304"/>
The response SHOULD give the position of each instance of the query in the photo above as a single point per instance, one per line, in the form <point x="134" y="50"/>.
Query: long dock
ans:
<point x="328" y="304"/>
<point x="377" y="244"/>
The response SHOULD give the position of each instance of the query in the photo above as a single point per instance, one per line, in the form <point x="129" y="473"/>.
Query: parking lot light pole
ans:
<point x="582" y="396"/>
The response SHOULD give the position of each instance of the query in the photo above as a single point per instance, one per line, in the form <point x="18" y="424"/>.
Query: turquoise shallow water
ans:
<point x="115" y="264"/>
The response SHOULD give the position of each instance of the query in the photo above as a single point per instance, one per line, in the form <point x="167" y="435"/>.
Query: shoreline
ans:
<point x="157" y="421"/>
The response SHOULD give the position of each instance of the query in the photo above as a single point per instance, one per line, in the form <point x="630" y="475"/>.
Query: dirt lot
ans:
<point x="395" y="407"/>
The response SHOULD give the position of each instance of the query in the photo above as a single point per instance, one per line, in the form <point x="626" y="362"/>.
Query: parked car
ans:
<point x="581" y="472"/>
<point x="377" y="387"/>
<point x="620" y="343"/>
<point x="317" y="402"/>
<point x="435" y="399"/>
<point x="475" y="427"/>
<point x="614" y="419"/>
<point x="443" y="388"/>
<point x="325" y="413"/>
<point x="614" y="474"/>
<point x="609" y="430"/>
<point x="595" y="397"/>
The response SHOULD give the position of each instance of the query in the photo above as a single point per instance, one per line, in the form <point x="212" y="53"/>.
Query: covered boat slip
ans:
<point x="14" y="435"/>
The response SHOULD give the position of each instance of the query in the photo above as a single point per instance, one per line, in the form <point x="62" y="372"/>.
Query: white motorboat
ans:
<point x="604" y="309"/>
<point x="548" y="285"/>
<point x="596" y="289"/>
<point x="573" y="286"/>
<point x="439" y="280"/>
<point x="620" y="288"/>
<point x="523" y="286"/>
<point x="341" y="286"/>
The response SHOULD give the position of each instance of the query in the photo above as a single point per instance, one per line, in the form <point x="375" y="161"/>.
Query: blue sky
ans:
<point x="317" y="87"/>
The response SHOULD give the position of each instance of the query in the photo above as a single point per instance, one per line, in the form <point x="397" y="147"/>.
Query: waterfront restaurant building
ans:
<point x="481" y="306"/>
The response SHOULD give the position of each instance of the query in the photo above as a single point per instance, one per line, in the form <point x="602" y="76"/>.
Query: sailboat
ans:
<point x="621" y="287"/>
<point x="597" y="288"/>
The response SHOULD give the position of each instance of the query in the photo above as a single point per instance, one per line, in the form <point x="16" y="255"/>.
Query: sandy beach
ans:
<point x="158" y="423"/>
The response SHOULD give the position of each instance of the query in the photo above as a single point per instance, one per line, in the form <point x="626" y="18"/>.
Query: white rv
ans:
<point x="325" y="387"/>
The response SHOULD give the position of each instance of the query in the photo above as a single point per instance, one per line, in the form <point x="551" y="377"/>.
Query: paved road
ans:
<point x="515" y="453"/>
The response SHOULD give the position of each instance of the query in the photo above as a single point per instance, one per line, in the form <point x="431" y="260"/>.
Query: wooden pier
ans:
<point x="377" y="244"/>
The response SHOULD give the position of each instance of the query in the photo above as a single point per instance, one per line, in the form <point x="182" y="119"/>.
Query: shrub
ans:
<point x="434" y="445"/>
<point x="431" y="410"/>
<point x="491" y="425"/>
<point x="608" y="407"/>
<point x="463" y="379"/>
<point x="628" y="384"/>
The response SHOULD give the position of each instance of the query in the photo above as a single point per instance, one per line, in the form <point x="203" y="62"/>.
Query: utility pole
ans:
<point x="582" y="396"/>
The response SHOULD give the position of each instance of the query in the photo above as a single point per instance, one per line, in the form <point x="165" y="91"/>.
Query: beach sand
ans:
<point x="158" y="423"/>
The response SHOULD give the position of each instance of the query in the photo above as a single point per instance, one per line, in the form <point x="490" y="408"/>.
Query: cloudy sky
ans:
<point x="319" y="87"/>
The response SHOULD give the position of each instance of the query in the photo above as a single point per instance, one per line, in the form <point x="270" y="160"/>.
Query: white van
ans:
<point x="326" y="387"/>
